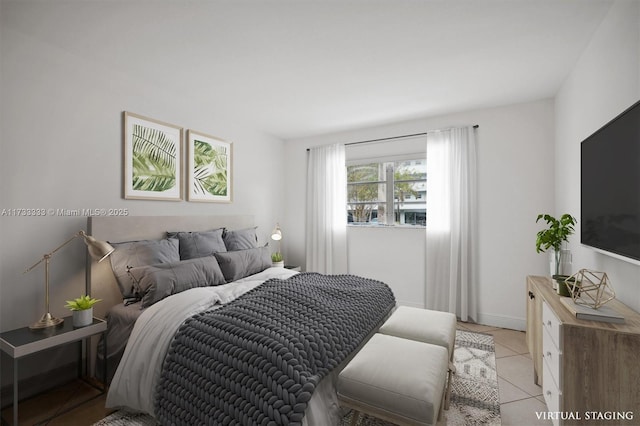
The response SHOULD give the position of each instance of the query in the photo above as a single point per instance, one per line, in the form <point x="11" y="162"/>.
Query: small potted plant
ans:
<point x="276" y="260"/>
<point x="556" y="233"/>
<point x="82" y="309"/>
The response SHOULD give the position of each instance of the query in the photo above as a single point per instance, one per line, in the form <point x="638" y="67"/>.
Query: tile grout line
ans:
<point x="519" y="388"/>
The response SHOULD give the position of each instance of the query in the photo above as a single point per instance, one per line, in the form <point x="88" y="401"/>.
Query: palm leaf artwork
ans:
<point x="154" y="160"/>
<point x="209" y="169"/>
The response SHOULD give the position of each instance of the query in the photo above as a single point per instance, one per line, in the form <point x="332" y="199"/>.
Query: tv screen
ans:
<point x="610" y="187"/>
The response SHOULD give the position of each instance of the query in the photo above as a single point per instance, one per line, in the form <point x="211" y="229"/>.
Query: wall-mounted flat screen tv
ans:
<point x="610" y="187"/>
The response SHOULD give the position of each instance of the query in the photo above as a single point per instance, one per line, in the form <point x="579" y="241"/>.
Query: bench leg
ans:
<point x="355" y="417"/>
<point x="447" y="392"/>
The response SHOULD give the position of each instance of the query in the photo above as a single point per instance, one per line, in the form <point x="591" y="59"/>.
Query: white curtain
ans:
<point x="326" y="227"/>
<point x="451" y="275"/>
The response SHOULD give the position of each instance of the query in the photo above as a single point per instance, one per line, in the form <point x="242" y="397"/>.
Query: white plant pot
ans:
<point x="278" y="264"/>
<point x="83" y="318"/>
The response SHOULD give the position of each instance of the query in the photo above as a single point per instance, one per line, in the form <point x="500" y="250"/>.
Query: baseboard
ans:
<point x="502" y="321"/>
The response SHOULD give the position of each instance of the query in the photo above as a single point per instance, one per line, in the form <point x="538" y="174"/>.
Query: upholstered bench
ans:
<point x="397" y="380"/>
<point x="424" y="325"/>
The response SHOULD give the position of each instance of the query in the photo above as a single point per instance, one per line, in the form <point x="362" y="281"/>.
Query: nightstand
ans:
<point x="23" y="341"/>
<point x="293" y="268"/>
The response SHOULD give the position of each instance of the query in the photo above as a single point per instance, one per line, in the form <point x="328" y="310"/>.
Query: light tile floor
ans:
<point x="520" y="398"/>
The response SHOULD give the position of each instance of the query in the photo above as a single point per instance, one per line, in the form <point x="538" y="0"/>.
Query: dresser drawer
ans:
<point x="552" y="394"/>
<point x="551" y="324"/>
<point x="552" y="356"/>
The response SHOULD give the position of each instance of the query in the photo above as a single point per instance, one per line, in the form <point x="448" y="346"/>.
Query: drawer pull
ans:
<point x="531" y="295"/>
<point x="548" y="354"/>
<point x="549" y="323"/>
<point x="548" y="393"/>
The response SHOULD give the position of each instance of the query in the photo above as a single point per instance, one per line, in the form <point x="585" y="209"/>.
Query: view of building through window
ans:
<point x="387" y="193"/>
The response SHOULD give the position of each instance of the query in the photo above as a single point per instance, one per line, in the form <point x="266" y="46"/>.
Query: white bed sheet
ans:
<point x="139" y="370"/>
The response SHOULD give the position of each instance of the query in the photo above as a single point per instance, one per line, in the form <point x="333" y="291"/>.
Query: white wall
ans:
<point x="61" y="134"/>
<point x="515" y="183"/>
<point x="604" y="82"/>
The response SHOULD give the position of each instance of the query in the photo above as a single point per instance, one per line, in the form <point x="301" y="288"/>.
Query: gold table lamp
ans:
<point x="99" y="250"/>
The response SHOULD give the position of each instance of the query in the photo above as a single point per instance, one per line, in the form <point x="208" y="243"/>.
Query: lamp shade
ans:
<point x="98" y="250"/>
<point x="276" y="234"/>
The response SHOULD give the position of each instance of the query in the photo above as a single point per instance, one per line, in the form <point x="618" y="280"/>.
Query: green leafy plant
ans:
<point x="557" y="232"/>
<point x="276" y="257"/>
<point x="81" y="303"/>
<point x="361" y="193"/>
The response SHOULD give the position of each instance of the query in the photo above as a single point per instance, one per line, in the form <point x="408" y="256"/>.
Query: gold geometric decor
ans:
<point x="590" y="288"/>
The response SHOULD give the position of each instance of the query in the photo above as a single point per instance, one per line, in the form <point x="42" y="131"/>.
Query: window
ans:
<point x="387" y="193"/>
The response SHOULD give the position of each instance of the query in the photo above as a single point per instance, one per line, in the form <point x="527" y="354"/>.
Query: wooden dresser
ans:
<point x="589" y="370"/>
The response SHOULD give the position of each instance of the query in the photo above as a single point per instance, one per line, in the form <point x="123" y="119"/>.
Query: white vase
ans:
<point x="83" y="318"/>
<point x="278" y="264"/>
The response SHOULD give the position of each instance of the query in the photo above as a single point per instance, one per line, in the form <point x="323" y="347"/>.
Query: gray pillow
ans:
<point x="241" y="239"/>
<point x="155" y="282"/>
<point x="199" y="244"/>
<point x="131" y="254"/>
<point x="242" y="263"/>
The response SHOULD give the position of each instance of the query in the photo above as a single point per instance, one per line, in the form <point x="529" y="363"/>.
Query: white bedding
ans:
<point x="135" y="379"/>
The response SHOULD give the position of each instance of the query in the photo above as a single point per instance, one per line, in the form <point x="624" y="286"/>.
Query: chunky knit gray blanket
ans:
<point x="258" y="359"/>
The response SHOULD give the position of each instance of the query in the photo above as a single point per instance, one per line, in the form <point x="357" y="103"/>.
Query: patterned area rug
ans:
<point x="475" y="399"/>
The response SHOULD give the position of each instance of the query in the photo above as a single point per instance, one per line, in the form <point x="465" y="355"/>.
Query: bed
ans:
<point x="103" y="284"/>
<point x="253" y="345"/>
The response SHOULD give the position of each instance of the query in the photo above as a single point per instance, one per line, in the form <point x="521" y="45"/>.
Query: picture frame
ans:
<point x="152" y="168"/>
<point x="209" y="168"/>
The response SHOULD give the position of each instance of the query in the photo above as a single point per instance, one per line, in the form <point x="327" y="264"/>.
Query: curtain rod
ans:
<point x="475" y="126"/>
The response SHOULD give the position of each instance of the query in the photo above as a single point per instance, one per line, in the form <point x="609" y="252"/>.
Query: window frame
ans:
<point x="390" y="163"/>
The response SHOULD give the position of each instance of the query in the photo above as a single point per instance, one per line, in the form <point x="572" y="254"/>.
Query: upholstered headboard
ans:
<point x="101" y="282"/>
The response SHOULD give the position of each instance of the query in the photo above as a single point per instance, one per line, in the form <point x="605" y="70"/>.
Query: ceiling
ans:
<point x="295" y="68"/>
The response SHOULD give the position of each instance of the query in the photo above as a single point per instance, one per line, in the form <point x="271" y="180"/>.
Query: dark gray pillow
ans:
<point x="241" y="239"/>
<point x="155" y="282"/>
<point x="242" y="263"/>
<point x="199" y="244"/>
<point x="131" y="254"/>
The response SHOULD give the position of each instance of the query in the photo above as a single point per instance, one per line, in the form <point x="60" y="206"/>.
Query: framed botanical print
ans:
<point x="152" y="159"/>
<point x="209" y="165"/>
